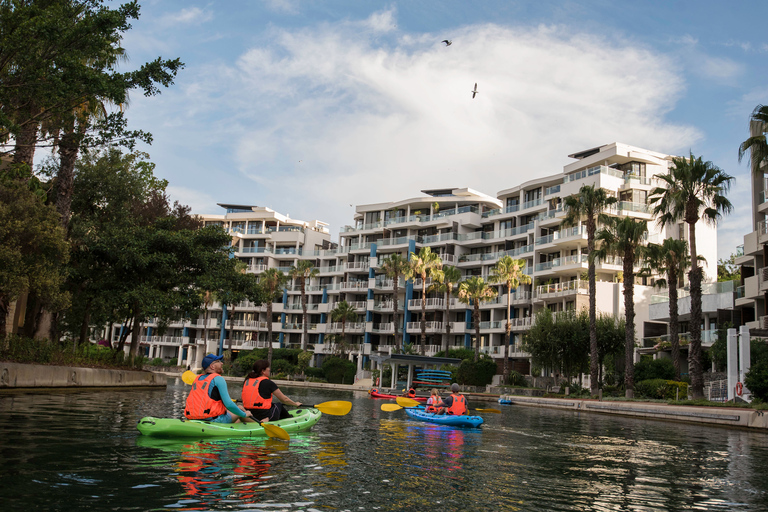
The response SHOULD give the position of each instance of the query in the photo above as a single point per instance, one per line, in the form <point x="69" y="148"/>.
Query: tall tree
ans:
<point x="694" y="189"/>
<point x="444" y="281"/>
<point x="508" y="271"/>
<point x="423" y="265"/>
<point x="302" y="272"/>
<point x="623" y="237"/>
<point x="473" y="291"/>
<point x="671" y="260"/>
<point x="272" y="281"/>
<point x="756" y="145"/>
<point x="585" y="208"/>
<point x="394" y="267"/>
<point x="343" y="312"/>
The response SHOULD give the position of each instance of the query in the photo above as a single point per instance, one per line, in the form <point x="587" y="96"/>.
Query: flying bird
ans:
<point x="474" y="92"/>
<point x="447" y="42"/>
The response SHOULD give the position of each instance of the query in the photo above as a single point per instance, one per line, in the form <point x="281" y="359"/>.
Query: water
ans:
<point x="78" y="450"/>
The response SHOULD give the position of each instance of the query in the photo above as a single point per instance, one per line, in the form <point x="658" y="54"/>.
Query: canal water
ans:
<point x="81" y="450"/>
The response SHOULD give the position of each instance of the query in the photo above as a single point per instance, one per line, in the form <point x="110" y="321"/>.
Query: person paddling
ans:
<point x="209" y="399"/>
<point x="258" y="391"/>
<point x="433" y="400"/>
<point x="455" y="404"/>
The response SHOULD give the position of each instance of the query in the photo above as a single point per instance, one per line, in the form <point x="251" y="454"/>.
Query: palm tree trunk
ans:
<point x="69" y="148"/>
<point x="476" y="318"/>
<point x="135" y="332"/>
<point x="594" y="379"/>
<point x="673" y="319"/>
<point x="505" y="371"/>
<point x="304" y="335"/>
<point x="398" y="333"/>
<point x="694" y="348"/>
<point x="422" y="349"/>
<point x="269" y="327"/>
<point x="629" y="329"/>
<point x="447" y="319"/>
<point x="24" y="149"/>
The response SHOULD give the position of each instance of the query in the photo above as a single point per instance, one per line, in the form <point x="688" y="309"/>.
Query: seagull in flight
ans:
<point x="447" y="42"/>
<point x="475" y="91"/>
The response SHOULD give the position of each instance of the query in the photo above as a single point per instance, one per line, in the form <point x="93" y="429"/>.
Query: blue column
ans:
<point x="468" y="322"/>
<point x="223" y="328"/>
<point x="185" y="332"/>
<point x="371" y="275"/>
<point x="149" y="331"/>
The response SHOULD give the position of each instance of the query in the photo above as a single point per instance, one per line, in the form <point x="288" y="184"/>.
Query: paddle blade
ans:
<point x="334" y="408"/>
<point x="493" y="411"/>
<point x="188" y="377"/>
<point x="275" y="431"/>
<point x="390" y="407"/>
<point x="406" y="402"/>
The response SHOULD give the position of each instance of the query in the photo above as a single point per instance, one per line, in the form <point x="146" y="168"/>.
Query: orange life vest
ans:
<point x="251" y="397"/>
<point x="200" y="405"/>
<point x="459" y="405"/>
<point x="411" y="392"/>
<point x="432" y="407"/>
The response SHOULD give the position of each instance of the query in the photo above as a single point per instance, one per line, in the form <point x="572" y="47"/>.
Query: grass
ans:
<point x="18" y="349"/>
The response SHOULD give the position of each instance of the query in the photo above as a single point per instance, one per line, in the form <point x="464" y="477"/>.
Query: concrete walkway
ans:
<point x="16" y="376"/>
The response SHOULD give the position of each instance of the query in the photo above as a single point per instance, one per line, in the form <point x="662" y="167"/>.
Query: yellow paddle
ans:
<point x="390" y="407"/>
<point x="334" y="408"/>
<point x="188" y="377"/>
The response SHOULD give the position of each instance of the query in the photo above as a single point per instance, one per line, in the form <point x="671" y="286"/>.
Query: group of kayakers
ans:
<point x="209" y="399"/>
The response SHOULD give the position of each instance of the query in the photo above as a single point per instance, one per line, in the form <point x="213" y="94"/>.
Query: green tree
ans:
<point x="424" y="264"/>
<point x="756" y="379"/>
<point x="395" y="266"/>
<point x="302" y="272"/>
<point x="343" y="312"/>
<point x="445" y="281"/>
<point x="559" y="341"/>
<point x="623" y="237"/>
<point x="671" y="260"/>
<point x="272" y="281"/>
<point x="610" y="338"/>
<point x="473" y="291"/>
<point x="756" y="145"/>
<point x="728" y="270"/>
<point x="33" y="249"/>
<point x="585" y="208"/>
<point x="693" y="190"/>
<point x="508" y="271"/>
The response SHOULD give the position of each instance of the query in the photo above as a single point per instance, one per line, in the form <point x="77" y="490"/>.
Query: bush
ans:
<point x="281" y="366"/>
<point x="156" y="362"/>
<point x="661" y="389"/>
<point x="173" y="362"/>
<point x="339" y="371"/>
<point x="648" y="369"/>
<point x="458" y="353"/>
<point x="756" y="380"/>
<point x="476" y="374"/>
<point x="314" y="373"/>
<point x="516" y="379"/>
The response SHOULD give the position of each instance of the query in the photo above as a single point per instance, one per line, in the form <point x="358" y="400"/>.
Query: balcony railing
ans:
<point x="706" y="289"/>
<point x="564" y="288"/>
<point x="500" y="211"/>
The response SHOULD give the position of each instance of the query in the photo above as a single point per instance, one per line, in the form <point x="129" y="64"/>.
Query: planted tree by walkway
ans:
<point x="445" y="281"/>
<point x="509" y="272"/>
<point x="394" y="267"/>
<point x="272" y="282"/>
<point x="343" y="312"/>
<point x="424" y="264"/>
<point x="303" y="272"/>
<point x="473" y="291"/>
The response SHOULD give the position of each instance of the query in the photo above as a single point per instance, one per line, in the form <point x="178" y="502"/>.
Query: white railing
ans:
<point x="431" y="327"/>
<point x="430" y="303"/>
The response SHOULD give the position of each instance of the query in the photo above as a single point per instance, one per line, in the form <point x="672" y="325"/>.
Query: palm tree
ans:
<point x="756" y="144"/>
<point x="343" y="312"/>
<point x="670" y="259"/>
<point x="508" y="271"/>
<point x="395" y="266"/>
<point x="694" y="189"/>
<point x="424" y="264"/>
<point x="587" y="207"/>
<point x="444" y="281"/>
<point x="473" y="291"/>
<point x="303" y="271"/>
<point x="623" y="237"/>
<point x="273" y="281"/>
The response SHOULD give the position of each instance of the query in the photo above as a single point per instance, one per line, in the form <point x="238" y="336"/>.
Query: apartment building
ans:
<point x="469" y="230"/>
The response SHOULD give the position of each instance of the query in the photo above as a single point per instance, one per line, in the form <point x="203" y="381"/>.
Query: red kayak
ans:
<point x="375" y="394"/>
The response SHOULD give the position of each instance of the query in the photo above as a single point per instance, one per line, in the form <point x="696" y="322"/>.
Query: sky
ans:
<point x="313" y="107"/>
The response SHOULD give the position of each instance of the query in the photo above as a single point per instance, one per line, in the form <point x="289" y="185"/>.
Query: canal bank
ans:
<point x="15" y="376"/>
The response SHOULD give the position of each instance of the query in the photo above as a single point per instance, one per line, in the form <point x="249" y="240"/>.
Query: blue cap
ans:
<point x="207" y="360"/>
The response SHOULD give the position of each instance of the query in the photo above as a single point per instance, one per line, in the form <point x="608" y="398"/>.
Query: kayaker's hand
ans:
<point x="248" y="414"/>
<point x="298" y="404"/>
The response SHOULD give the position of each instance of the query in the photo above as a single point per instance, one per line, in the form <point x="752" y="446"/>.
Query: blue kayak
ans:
<point x="418" y="413"/>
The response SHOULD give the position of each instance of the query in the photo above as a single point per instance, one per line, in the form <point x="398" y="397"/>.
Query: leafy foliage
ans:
<point x="728" y="270"/>
<point x="476" y="373"/>
<point x="661" y="388"/>
<point x="559" y="342"/>
<point x="648" y="369"/>
<point x="339" y="371"/>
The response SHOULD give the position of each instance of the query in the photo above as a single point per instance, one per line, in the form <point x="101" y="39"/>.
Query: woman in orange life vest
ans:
<point x="258" y="391"/>
<point x="209" y="399"/>
<point x="411" y="392"/>
<point x="455" y="404"/>
<point x="433" y="400"/>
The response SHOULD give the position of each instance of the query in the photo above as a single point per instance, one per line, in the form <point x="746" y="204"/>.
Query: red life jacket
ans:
<point x="251" y="397"/>
<point x="459" y="405"/>
<point x="411" y="392"/>
<point x="200" y="406"/>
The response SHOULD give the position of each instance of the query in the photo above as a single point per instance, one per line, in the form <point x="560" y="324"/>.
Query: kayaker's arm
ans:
<point x="221" y="385"/>
<point x="284" y="399"/>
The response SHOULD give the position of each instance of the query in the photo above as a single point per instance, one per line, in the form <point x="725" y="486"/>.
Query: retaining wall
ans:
<point x="15" y="375"/>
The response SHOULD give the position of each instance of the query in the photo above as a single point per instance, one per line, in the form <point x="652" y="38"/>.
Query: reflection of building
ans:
<point x="469" y="230"/>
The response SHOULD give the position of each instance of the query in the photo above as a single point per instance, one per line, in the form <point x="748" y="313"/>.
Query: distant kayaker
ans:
<point x="209" y="399"/>
<point x="258" y="391"/>
<point x="455" y="404"/>
<point x="433" y="400"/>
<point x="411" y="392"/>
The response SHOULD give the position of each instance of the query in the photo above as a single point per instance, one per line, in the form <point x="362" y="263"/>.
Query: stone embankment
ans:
<point x="20" y="376"/>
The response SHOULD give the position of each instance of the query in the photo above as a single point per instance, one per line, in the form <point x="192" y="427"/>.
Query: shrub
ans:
<point x="516" y="379"/>
<point x="314" y="373"/>
<point x="156" y="362"/>
<point x="339" y="371"/>
<point x="648" y="369"/>
<point x="756" y="380"/>
<point x="173" y="362"/>
<point x="281" y="366"/>
<point x="661" y="388"/>
<point x="476" y="374"/>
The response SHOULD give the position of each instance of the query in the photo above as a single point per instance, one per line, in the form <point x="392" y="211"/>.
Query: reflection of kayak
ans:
<point x="301" y="419"/>
<point x="417" y="413"/>
<point x="376" y="394"/>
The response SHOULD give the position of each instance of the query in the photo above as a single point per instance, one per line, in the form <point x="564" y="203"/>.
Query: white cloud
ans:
<point x="283" y="6"/>
<point x="189" y="16"/>
<point x="383" y="21"/>
<point x="199" y="202"/>
<point x="333" y="115"/>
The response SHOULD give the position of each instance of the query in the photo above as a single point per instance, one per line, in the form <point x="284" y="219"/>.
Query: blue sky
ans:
<point x="310" y="107"/>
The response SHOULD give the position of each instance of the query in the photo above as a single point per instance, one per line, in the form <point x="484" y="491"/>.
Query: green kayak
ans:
<point x="301" y="420"/>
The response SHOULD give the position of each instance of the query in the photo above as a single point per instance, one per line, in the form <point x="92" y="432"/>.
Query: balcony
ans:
<point x="548" y="291"/>
<point x="349" y="328"/>
<point x="384" y="328"/>
<point x="387" y="306"/>
<point x="431" y="304"/>
<point x="664" y="343"/>
<point x="501" y="211"/>
<point x="359" y="266"/>
<point x="431" y="327"/>
<point x="255" y="250"/>
<point x="598" y="169"/>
